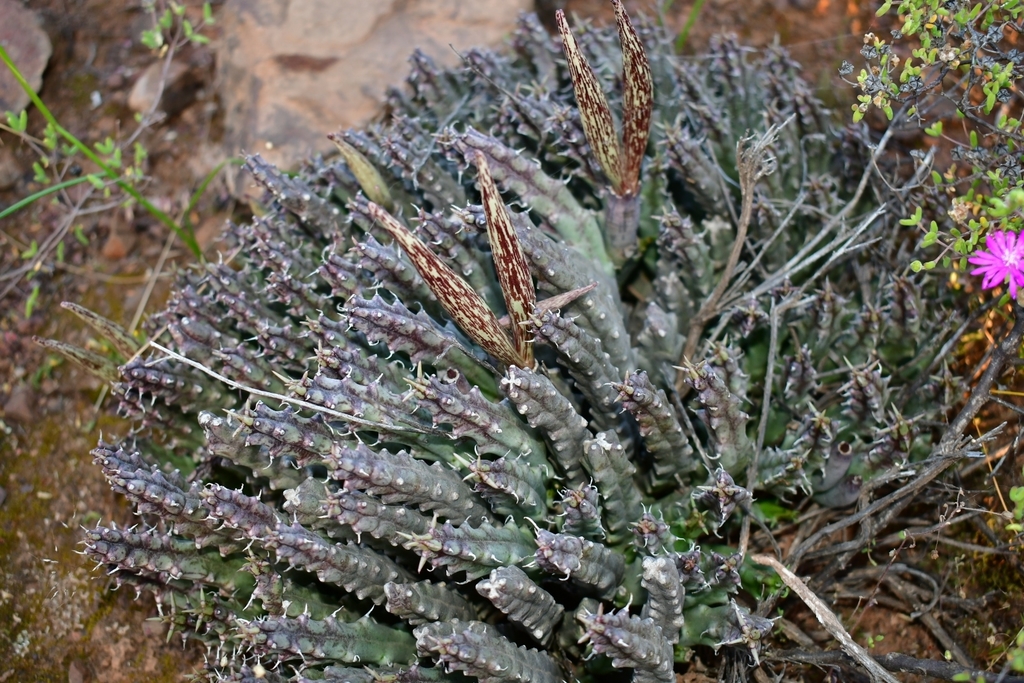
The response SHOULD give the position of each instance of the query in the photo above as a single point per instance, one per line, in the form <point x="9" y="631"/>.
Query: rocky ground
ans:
<point x="275" y="78"/>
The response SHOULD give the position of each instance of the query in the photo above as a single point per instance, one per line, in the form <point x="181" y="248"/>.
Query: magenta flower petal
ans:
<point x="1001" y="262"/>
<point x="1016" y="282"/>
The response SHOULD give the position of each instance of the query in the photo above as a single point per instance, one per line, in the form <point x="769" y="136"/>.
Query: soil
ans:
<point x="58" y="620"/>
<point x="819" y="34"/>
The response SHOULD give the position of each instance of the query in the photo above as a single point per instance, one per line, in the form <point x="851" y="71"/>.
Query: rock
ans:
<point x="291" y="71"/>
<point x="180" y="88"/>
<point x="29" y="48"/>
<point x="20" y="406"/>
<point x="10" y="169"/>
<point x="117" y="246"/>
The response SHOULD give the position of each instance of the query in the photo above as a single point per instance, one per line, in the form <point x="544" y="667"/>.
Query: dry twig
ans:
<point x="897" y="663"/>
<point x="827" y="619"/>
<point x="754" y="161"/>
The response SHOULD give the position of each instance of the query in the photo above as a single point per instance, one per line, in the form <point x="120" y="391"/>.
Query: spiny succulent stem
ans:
<point x="621" y="219"/>
<point x="281" y="397"/>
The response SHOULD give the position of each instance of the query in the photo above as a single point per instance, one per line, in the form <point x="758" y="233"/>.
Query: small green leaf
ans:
<point x="96" y="181"/>
<point x="772" y="512"/>
<point x="153" y="39"/>
<point x="106" y="147"/>
<point x="31" y="301"/>
<point x="60" y="251"/>
<point x="207" y="14"/>
<point x="40" y="174"/>
<point x="18" y="123"/>
<point x="914" y="219"/>
<point x="50" y="136"/>
<point x="935" y="130"/>
<point x="916" y="266"/>
<point x="886" y="6"/>
<point x="32" y="250"/>
<point x="80" y="235"/>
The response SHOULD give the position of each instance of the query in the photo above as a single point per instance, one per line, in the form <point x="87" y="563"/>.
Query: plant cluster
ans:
<point x="953" y="68"/>
<point x="520" y="367"/>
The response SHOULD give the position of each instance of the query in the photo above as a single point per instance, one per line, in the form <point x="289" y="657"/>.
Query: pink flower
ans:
<point x="1003" y="261"/>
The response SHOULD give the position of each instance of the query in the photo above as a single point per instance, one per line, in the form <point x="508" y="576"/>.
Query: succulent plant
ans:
<point x="511" y="367"/>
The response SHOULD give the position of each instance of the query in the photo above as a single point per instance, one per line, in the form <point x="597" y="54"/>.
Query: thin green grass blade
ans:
<point x="18" y="206"/>
<point x="186" y="235"/>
